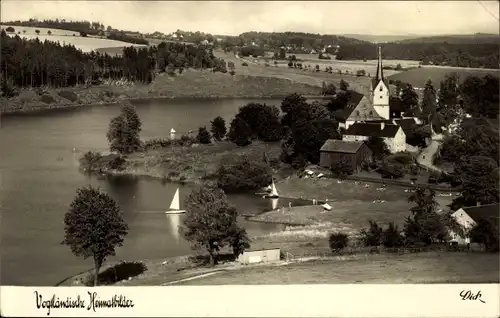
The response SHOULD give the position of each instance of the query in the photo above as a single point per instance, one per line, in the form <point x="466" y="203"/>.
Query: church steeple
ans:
<point x="380" y="71"/>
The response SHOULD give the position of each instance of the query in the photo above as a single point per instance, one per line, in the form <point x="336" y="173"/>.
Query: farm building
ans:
<point x="334" y="151"/>
<point x="260" y="256"/>
<point x="393" y="135"/>
<point x="467" y="217"/>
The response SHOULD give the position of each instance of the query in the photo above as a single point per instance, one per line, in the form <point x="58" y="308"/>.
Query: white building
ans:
<point x="393" y="135"/>
<point x="467" y="217"/>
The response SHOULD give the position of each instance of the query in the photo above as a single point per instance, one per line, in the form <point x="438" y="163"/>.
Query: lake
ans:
<point x="39" y="176"/>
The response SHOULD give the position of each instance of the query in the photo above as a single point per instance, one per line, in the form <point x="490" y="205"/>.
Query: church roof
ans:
<point x="351" y="105"/>
<point x="372" y="129"/>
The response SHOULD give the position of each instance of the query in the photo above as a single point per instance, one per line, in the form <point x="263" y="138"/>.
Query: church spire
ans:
<point x="380" y="71"/>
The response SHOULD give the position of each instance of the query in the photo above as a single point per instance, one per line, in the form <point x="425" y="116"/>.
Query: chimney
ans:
<point x="382" y="126"/>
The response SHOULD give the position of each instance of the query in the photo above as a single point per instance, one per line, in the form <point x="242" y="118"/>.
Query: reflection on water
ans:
<point x="274" y="203"/>
<point x="174" y="221"/>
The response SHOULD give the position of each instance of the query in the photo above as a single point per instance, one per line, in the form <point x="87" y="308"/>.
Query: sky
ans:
<point x="235" y="17"/>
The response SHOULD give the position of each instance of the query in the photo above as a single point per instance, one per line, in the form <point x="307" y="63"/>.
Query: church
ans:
<point x="379" y="105"/>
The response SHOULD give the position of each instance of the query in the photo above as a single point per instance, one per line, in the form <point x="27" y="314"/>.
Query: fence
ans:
<point x="357" y="252"/>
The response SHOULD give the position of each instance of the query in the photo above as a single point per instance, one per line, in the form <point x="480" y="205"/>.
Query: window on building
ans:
<point x="380" y="96"/>
<point x="357" y="113"/>
<point x="371" y="113"/>
<point x="381" y="88"/>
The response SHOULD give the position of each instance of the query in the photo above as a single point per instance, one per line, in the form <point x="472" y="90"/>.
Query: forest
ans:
<point x="92" y="28"/>
<point x="479" y="55"/>
<point x="33" y="63"/>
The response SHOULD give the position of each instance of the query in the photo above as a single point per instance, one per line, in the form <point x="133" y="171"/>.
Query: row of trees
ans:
<point x="93" y="28"/>
<point x="32" y="63"/>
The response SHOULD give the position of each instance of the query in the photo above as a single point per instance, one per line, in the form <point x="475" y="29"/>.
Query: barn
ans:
<point x="334" y="151"/>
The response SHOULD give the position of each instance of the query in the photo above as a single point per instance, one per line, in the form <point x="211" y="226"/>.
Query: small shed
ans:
<point x="334" y="151"/>
<point x="260" y="256"/>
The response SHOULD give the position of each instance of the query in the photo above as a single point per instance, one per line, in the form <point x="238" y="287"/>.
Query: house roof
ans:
<point x="487" y="211"/>
<point x="334" y="145"/>
<point x="372" y="129"/>
<point x="406" y="124"/>
<point x="351" y="105"/>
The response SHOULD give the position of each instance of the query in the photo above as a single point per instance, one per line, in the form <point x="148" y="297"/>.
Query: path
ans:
<point x="425" y="157"/>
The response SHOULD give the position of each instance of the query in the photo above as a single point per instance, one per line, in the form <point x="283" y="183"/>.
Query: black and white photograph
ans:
<point x="176" y="143"/>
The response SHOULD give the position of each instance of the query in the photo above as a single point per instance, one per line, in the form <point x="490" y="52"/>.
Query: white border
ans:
<point x="361" y="300"/>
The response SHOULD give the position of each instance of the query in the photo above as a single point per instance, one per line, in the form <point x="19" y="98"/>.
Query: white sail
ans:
<point x="175" y="205"/>
<point x="274" y="192"/>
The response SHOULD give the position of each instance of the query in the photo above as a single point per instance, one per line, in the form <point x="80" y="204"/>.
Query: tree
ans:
<point x="424" y="225"/>
<point x="49" y="32"/>
<point x="409" y="97"/>
<point x="37" y="32"/>
<point x="448" y="98"/>
<point x="378" y="147"/>
<point x="344" y="86"/>
<point x="480" y="96"/>
<point x="337" y="242"/>
<point x="210" y="220"/>
<point x="263" y="120"/>
<point x="486" y="233"/>
<point x="329" y="89"/>
<point x="218" y="128"/>
<point x="94" y="227"/>
<point x="10" y="29"/>
<point x="243" y="174"/>
<point x="238" y="240"/>
<point x="123" y="132"/>
<point x="231" y="67"/>
<point x="240" y="132"/>
<point x="429" y="102"/>
<point x="479" y="177"/>
<point x="203" y="136"/>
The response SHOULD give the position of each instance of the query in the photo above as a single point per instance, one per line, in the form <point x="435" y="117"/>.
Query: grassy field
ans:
<point x="430" y="267"/>
<point x="418" y="77"/>
<point x="86" y="44"/>
<point x="190" y="164"/>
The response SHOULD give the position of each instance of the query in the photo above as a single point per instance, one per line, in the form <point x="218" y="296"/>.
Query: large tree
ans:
<point x="210" y="222"/>
<point x="218" y="128"/>
<point x="94" y="226"/>
<point x="123" y="131"/>
<point x="424" y="225"/>
<point x="240" y="132"/>
<point x="409" y="97"/>
<point x="429" y="105"/>
<point x="480" y="96"/>
<point x="263" y="120"/>
<point x="378" y="147"/>
<point x="479" y="178"/>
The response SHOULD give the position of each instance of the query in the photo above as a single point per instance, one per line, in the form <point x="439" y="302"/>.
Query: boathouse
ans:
<point x="260" y="256"/>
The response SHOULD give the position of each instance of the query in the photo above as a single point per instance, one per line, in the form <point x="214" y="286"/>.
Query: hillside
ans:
<point x="296" y="38"/>
<point x="478" y="38"/>
<point x="380" y="38"/>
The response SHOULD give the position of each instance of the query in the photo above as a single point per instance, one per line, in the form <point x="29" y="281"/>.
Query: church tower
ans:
<point x="380" y="90"/>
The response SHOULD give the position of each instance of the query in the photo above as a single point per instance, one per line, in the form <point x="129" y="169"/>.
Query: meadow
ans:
<point x="86" y="44"/>
<point x="417" y="77"/>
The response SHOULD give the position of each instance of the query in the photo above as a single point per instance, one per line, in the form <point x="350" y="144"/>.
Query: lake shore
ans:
<point x="189" y="84"/>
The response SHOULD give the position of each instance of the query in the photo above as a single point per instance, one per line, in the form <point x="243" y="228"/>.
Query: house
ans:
<point x="393" y="135"/>
<point x="260" y="256"/>
<point x="334" y="151"/>
<point x="359" y="108"/>
<point x="467" y="217"/>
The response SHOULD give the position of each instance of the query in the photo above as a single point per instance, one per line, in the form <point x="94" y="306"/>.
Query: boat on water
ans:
<point x="327" y="207"/>
<point x="274" y="193"/>
<point x="175" y="206"/>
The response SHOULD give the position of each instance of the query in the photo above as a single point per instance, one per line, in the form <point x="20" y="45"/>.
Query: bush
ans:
<point x="392" y="236"/>
<point x="47" y="99"/>
<point x="244" y="64"/>
<point x="157" y="143"/>
<point x="244" y="174"/>
<point x="185" y="141"/>
<point x="72" y="97"/>
<point x="337" y="242"/>
<point x="115" y="162"/>
<point x="203" y="136"/>
<point x="91" y="161"/>
<point x="402" y="158"/>
<point x="373" y="236"/>
<point x="342" y="169"/>
<point x="390" y="171"/>
<point x="218" y="128"/>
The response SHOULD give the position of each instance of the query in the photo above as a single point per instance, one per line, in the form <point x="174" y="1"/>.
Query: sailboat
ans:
<point x="175" y="206"/>
<point x="274" y="193"/>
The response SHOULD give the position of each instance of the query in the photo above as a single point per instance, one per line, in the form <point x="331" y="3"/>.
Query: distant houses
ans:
<point x="355" y="152"/>
<point x="467" y="217"/>
<point x="393" y="135"/>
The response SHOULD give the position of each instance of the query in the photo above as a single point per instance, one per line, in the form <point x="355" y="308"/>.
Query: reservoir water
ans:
<point x="39" y="176"/>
